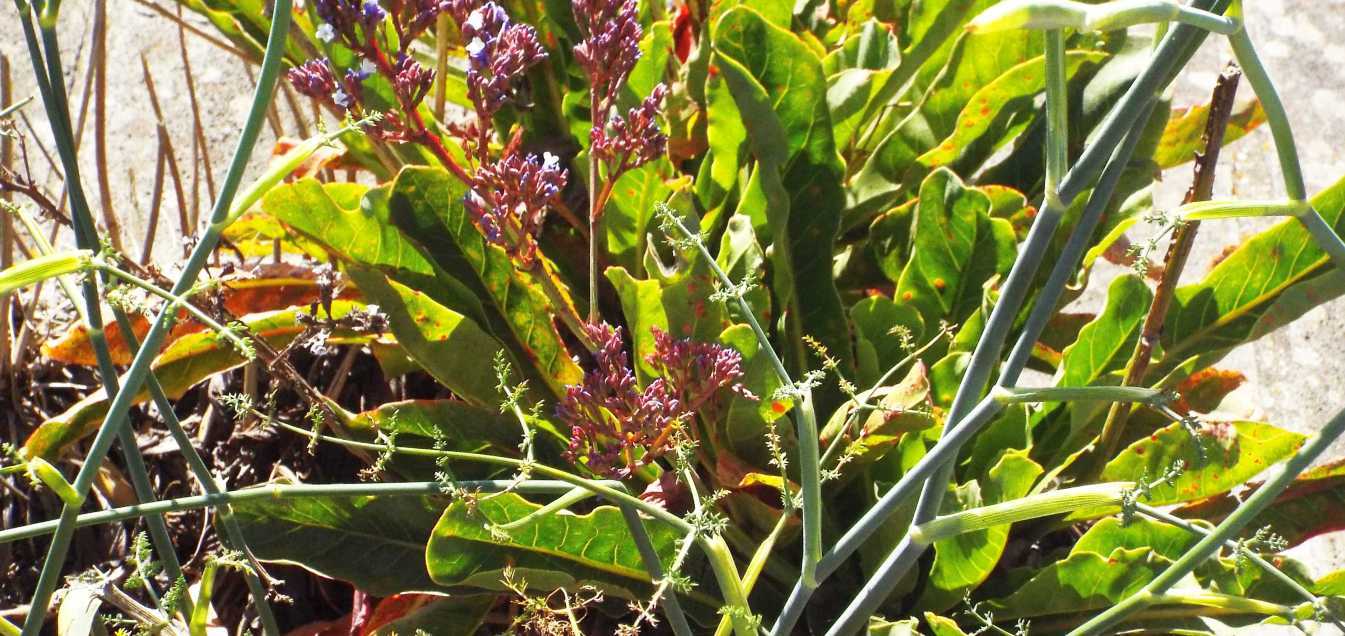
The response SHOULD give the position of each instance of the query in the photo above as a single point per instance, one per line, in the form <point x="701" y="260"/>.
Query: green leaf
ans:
<point x="375" y="543"/>
<point x="877" y="345"/>
<point x="426" y="204"/>
<point x="1314" y="504"/>
<point x="726" y="138"/>
<point x="352" y="224"/>
<point x="1270" y="280"/>
<point x="1235" y="452"/>
<point x="180" y="366"/>
<point x="1104" y="345"/>
<point x="777" y="82"/>
<point x="900" y="408"/>
<point x="962" y="562"/>
<point x="1083" y="581"/>
<point x="1181" y="139"/>
<point x="450" y="346"/>
<point x="679" y="305"/>
<point x="1111" y="533"/>
<point x="993" y="116"/>
<point x="957" y="247"/>
<point x="451" y="425"/>
<point x="625" y="223"/>
<point x="557" y="551"/>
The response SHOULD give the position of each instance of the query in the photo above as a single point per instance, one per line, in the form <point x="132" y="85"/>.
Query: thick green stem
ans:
<point x="1040" y="505"/>
<point x="113" y="422"/>
<point x="51" y="86"/>
<point x="1057" y="117"/>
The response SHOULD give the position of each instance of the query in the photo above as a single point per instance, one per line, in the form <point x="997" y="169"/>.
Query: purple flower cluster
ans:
<point x="499" y="52"/>
<point x="634" y="140"/>
<point x="611" y="44"/>
<point x="617" y="427"/>
<point x="353" y="21"/>
<point x="609" y="51"/>
<point x="509" y="200"/>
<point x="411" y="79"/>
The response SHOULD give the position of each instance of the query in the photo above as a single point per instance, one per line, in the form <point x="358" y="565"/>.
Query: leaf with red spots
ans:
<point x="1314" y="504"/>
<point x="993" y="115"/>
<point x="1183" y="136"/>
<point x="1235" y="452"/>
<point x="1272" y="279"/>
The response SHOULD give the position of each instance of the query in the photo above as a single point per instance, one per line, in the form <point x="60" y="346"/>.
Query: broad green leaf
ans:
<point x="1314" y="504"/>
<point x="1111" y="533"/>
<point x="375" y="543"/>
<point x="957" y="247"/>
<point x="1105" y="344"/>
<point x="992" y="116"/>
<point x="726" y="137"/>
<point x="942" y="625"/>
<point x="1182" y="137"/>
<point x="1083" y="581"/>
<point x="777" y="82"/>
<point x="962" y="562"/>
<point x="562" y="550"/>
<point x="426" y="204"/>
<point x="881" y="627"/>
<point x="450" y="346"/>
<point x="356" y="228"/>
<point x="450" y="425"/>
<point x="1270" y="280"/>
<point x="885" y="333"/>
<point x="1107" y="563"/>
<point x="1235" y="452"/>
<point x="625" y="223"/>
<point x="183" y="364"/>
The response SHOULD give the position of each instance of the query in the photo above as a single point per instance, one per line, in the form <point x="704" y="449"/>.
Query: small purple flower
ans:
<point x="372" y="14"/>
<point x="325" y="32"/>
<point x="611" y="44"/>
<point x="499" y="52"/>
<point x="510" y="198"/>
<point x="636" y="139"/>
<point x="412" y="81"/>
<point x="616" y="427"/>
<point x="313" y="78"/>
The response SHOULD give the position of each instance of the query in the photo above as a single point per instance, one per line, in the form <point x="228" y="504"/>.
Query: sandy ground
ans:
<point x="1294" y="375"/>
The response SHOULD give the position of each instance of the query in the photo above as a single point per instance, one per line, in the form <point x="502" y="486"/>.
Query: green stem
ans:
<point x="730" y="585"/>
<point x="805" y="419"/>
<point x="271" y="491"/>
<point x="113" y="422"/>
<point x="1057" y="117"/>
<point x="1282" y="476"/>
<point x="1141" y="395"/>
<point x="1232" y="209"/>
<point x="1266" y="566"/>
<point x="1282" y="132"/>
<point x="51" y="86"/>
<point x="1040" y="505"/>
